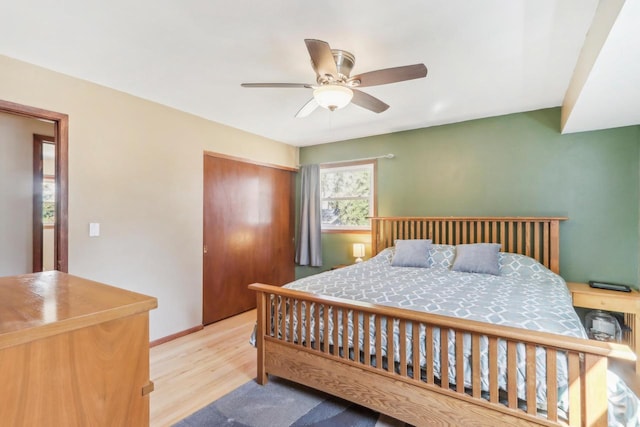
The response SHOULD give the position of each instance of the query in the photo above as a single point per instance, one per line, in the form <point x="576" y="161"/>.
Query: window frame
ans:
<point x="373" y="198"/>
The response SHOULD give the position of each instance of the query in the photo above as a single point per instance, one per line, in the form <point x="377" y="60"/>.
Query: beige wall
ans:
<point x="16" y="189"/>
<point x="136" y="168"/>
<point x="48" y="250"/>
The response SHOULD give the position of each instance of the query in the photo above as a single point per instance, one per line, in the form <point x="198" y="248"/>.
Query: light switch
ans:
<point x="94" y="229"/>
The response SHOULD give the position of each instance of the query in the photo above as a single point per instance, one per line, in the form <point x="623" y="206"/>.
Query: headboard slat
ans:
<point x="537" y="237"/>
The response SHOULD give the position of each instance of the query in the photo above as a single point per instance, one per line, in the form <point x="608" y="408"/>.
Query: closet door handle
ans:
<point x="205" y="249"/>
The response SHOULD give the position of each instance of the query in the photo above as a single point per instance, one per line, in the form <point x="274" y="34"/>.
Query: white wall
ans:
<point x="136" y="168"/>
<point x="16" y="191"/>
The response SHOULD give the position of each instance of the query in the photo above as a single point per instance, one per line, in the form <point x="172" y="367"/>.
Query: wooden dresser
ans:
<point x="73" y="352"/>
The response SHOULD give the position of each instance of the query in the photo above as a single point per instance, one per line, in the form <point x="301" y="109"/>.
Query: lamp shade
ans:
<point x="358" y="250"/>
<point x="333" y="97"/>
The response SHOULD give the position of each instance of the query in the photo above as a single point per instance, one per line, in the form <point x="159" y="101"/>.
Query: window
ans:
<point x="347" y="196"/>
<point x="48" y="200"/>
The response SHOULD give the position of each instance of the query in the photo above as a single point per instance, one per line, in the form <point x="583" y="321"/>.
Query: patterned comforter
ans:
<point x="525" y="295"/>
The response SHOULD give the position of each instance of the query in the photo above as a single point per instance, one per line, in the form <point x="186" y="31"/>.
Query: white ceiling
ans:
<point x="485" y="58"/>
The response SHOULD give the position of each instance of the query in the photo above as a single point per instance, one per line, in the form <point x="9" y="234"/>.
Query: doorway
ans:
<point x="61" y="198"/>
<point x="44" y="203"/>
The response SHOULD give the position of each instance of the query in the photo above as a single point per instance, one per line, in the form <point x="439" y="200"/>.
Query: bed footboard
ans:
<point x="299" y="338"/>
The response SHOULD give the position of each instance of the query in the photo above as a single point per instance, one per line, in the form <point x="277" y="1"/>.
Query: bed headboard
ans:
<point x="537" y="237"/>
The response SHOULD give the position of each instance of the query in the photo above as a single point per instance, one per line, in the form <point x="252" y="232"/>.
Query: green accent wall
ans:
<point x="519" y="165"/>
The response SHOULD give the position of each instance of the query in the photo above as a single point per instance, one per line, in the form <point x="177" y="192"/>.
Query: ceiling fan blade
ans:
<point x="390" y="75"/>
<point x="321" y="57"/>
<point x="307" y="108"/>
<point x="280" y="85"/>
<point x="367" y="101"/>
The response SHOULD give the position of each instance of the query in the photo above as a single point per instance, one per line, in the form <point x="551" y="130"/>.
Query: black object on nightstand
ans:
<point x="609" y="286"/>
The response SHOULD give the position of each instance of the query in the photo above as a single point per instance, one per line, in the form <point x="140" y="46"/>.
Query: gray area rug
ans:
<point x="281" y="403"/>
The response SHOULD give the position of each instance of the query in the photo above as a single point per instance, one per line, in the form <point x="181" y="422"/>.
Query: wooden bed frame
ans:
<point x="391" y="388"/>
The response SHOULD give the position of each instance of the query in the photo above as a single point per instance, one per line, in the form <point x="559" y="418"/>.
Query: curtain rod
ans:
<point x="384" y="156"/>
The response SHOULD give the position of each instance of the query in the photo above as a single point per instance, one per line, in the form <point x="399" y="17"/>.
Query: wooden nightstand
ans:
<point x="622" y="302"/>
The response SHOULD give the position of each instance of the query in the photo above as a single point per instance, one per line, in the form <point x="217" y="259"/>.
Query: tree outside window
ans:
<point x="347" y="195"/>
<point x="48" y="201"/>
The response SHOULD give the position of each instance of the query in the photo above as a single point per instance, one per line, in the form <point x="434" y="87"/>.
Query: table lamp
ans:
<point x="358" y="251"/>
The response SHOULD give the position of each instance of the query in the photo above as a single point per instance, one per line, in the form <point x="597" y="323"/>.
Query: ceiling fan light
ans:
<point x="333" y="97"/>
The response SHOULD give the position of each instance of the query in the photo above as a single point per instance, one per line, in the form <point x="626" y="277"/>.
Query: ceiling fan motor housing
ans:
<point x="344" y="64"/>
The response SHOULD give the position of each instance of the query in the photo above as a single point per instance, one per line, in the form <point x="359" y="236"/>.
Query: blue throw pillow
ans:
<point x="477" y="258"/>
<point x="411" y="253"/>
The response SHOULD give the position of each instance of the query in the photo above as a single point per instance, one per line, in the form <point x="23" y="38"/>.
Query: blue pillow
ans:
<point x="477" y="258"/>
<point x="412" y="253"/>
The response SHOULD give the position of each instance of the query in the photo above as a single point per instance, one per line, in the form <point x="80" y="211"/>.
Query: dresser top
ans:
<point x="34" y="306"/>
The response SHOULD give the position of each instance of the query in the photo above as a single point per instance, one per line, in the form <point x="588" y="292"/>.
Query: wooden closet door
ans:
<point x="248" y="233"/>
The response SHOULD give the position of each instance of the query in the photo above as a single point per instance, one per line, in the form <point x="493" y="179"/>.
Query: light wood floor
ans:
<point x="193" y="371"/>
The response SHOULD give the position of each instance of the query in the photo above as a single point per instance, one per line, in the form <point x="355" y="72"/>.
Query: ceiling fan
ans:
<point x="335" y="88"/>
